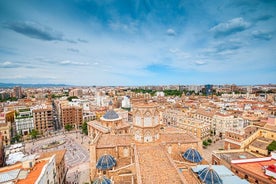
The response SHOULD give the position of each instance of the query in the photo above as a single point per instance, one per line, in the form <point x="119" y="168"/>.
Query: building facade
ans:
<point x="43" y="119"/>
<point x="146" y="122"/>
<point x="71" y="115"/>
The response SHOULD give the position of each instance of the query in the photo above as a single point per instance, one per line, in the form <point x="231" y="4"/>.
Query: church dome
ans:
<point x="102" y="180"/>
<point x="209" y="176"/>
<point x="106" y="162"/>
<point x="111" y="114"/>
<point x="192" y="155"/>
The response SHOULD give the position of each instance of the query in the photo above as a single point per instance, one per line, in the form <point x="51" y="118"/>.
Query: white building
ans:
<point x="24" y="122"/>
<point x="126" y="102"/>
<point x="48" y="173"/>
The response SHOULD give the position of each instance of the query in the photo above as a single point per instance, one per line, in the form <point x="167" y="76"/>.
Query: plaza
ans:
<point x="76" y="157"/>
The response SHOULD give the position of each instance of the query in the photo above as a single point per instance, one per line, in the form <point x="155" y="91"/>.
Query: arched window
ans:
<point x="147" y="119"/>
<point x="138" y="119"/>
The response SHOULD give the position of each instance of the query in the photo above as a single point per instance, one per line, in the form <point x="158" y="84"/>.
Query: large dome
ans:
<point x="192" y="155"/>
<point x="209" y="176"/>
<point x="102" y="180"/>
<point x="106" y="162"/>
<point x="111" y="114"/>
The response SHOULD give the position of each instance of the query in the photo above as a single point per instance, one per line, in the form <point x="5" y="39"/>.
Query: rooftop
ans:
<point x="235" y="156"/>
<point x="34" y="173"/>
<point x="106" y="162"/>
<point x="59" y="155"/>
<point x="192" y="155"/>
<point x="254" y="166"/>
<point x="107" y="140"/>
<point x="223" y="172"/>
<point x="110" y="115"/>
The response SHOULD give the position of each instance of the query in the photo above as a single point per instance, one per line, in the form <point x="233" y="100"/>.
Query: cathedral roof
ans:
<point x="192" y="155"/>
<point x="209" y="176"/>
<point x="102" y="180"/>
<point x="106" y="162"/>
<point x="111" y="114"/>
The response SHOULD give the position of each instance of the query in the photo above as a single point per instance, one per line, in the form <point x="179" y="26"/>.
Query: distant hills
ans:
<point x="11" y="85"/>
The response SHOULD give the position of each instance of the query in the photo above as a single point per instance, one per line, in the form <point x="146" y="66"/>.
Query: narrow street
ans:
<point x="207" y="153"/>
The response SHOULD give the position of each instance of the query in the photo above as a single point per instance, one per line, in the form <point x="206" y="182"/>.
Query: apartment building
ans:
<point x="6" y="122"/>
<point x="30" y="170"/>
<point x="43" y="119"/>
<point x="71" y="115"/>
<point x="197" y="128"/>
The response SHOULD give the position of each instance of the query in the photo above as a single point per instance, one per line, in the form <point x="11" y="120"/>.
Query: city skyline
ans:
<point x="137" y="42"/>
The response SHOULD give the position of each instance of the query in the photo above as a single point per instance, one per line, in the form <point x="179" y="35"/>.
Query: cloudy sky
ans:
<point x="138" y="42"/>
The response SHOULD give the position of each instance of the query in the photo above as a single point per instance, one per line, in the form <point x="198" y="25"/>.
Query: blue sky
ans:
<point x="138" y="42"/>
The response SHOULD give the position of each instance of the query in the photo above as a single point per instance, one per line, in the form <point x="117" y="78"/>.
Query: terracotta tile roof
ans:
<point x="59" y="155"/>
<point x="108" y="140"/>
<point x="256" y="168"/>
<point x="34" y="173"/>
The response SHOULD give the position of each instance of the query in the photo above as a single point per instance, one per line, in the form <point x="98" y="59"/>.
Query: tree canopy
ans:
<point x="34" y="133"/>
<point x="271" y="146"/>
<point x="84" y="128"/>
<point x="68" y="127"/>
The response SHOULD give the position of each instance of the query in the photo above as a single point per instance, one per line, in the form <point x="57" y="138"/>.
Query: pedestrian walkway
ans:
<point x="76" y="157"/>
<point x="207" y="153"/>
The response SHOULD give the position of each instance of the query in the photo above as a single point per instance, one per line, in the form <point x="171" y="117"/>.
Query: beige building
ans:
<point x="254" y="139"/>
<point x="198" y="128"/>
<point x="110" y="122"/>
<point x="146" y="122"/>
<point x="173" y="116"/>
<point x="76" y="92"/>
<point x="70" y="115"/>
<point x="30" y="170"/>
<point x="43" y="119"/>
<point x="61" y="169"/>
<point x="205" y="115"/>
<point x="6" y="122"/>
<point x="149" y="153"/>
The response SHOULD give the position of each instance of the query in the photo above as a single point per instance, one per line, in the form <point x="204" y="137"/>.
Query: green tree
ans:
<point x="17" y="138"/>
<point x="205" y="143"/>
<point x="34" y="133"/>
<point x="71" y="97"/>
<point x="170" y="92"/>
<point x="68" y="127"/>
<point x="209" y="140"/>
<point x="84" y="128"/>
<point x="272" y="146"/>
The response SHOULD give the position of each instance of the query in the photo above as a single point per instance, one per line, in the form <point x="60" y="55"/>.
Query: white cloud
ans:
<point x="262" y="35"/>
<point x="200" y="62"/>
<point x="7" y="63"/>
<point x="230" y="27"/>
<point x="171" y="32"/>
<point x="68" y="62"/>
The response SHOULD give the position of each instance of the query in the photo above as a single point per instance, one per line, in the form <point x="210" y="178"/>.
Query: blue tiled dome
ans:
<point x="102" y="180"/>
<point x="106" y="162"/>
<point x="192" y="155"/>
<point x="209" y="176"/>
<point x="111" y="114"/>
